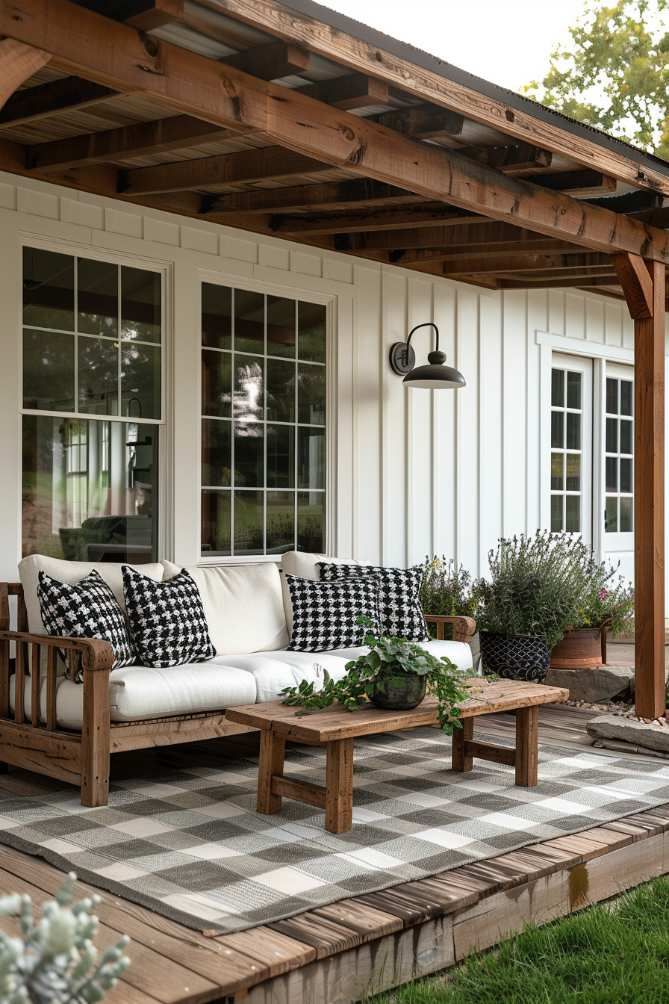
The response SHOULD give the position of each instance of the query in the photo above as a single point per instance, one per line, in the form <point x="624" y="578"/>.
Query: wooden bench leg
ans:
<point x="272" y="754"/>
<point x="339" y="786"/>
<point x="463" y="761"/>
<point x="527" y="747"/>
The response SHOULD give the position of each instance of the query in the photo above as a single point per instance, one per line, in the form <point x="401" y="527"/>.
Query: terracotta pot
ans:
<point x="583" y="648"/>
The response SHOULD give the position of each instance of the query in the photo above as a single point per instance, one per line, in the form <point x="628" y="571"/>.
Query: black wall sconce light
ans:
<point x="435" y="375"/>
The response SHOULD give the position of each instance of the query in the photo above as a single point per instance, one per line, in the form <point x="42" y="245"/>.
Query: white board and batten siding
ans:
<point x="411" y="472"/>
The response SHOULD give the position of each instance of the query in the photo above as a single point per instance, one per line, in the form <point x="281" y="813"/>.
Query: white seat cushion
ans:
<point x="242" y="603"/>
<point x="72" y="572"/>
<point x="272" y="671"/>
<point x="139" y="692"/>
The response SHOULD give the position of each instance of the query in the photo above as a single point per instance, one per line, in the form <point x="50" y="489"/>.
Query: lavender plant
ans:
<point x="538" y="585"/>
<point x="54" y="961"/>
<point x="448" y="588"/>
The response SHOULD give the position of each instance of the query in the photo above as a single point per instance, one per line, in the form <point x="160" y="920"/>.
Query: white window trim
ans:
<point x="292" y="292"/>
<point x="165" y="537"/>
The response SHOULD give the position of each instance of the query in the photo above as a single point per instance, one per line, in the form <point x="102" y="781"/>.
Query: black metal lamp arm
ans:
<point x="425" y="324"/>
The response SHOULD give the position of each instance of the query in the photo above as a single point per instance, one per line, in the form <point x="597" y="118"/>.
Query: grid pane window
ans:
<point x="566" y="449"/>
<point x="92" y="366"/>
<point x="619" y="460"/>
<point x="263" y="423"/>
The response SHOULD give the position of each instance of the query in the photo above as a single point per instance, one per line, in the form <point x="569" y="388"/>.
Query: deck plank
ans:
<point x="195" y="955"/>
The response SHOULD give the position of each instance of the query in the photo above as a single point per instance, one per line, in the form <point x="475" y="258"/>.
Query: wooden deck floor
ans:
<point x="347" y="950"/>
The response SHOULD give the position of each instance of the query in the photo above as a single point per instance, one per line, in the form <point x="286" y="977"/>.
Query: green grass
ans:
<point x="618" y="955"/>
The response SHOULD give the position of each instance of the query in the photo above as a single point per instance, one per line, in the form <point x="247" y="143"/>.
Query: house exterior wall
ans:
<point x="411" y="472"/>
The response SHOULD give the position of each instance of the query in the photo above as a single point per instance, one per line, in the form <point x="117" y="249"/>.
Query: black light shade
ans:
<point x="435" y="375"/>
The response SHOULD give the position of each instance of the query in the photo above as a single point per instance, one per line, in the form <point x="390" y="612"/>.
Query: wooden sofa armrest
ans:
<point x="96" y="655"/>
<point x="464" y="628"/>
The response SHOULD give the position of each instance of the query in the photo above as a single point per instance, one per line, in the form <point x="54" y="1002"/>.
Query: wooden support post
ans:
<point x="95" y="737"/>
<point x="643" y="283"/>
<point x="527" y="746"/>
<point x="272" y="753"/>
<point x="339" y="786"/>
<point x="461" y="760"/>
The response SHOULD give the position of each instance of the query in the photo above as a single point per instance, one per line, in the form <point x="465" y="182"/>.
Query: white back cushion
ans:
<point x="243" y="605"/>
<point x="72" y="572"/>
<point x="304" y="565"/>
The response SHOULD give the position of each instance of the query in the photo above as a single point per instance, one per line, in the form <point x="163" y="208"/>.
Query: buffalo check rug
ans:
<point x="191" y="846"/>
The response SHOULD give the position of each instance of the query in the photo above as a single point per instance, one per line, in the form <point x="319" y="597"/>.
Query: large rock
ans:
<point x="630" y="730"/>
<point x="593" y="685"/>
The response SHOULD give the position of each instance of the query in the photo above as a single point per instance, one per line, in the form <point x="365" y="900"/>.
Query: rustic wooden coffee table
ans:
<point x="337" y="729"/>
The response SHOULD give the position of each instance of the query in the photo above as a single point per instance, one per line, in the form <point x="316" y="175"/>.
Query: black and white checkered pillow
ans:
<point x="399" y="601"/>
<point x="88" y="609"/>
<point x="325" y="613"/>
<point x="167" y="619"/>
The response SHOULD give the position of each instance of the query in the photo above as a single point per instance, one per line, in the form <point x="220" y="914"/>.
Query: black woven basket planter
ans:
<point x="520" y="657"/>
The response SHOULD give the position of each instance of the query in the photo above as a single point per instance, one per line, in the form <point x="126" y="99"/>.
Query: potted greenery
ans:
<point x="394" y="674"/>
<point x="533" y="594"/>
<point x="449" y="589"/>
<point x="52" y="957"/>
<point x="607" y="607"/>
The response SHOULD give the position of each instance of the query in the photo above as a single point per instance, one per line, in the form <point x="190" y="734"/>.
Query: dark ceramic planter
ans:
<point x="517" y="657"/>
<point x="396" y="690"/>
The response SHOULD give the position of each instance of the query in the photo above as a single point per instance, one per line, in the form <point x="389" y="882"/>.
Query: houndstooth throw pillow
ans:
<point x="399" y="601"/>
<point x="167" y="619"/>
<point x="88" y="609"/>
<point x="325" y="613"/>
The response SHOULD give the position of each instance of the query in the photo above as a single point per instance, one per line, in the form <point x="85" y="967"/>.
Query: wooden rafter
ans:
<point x="426" y="84"/>
<point x="424" y="122"/>
<point x="334" y="195"/>
<point x="123" y="142"/>
<point x="116" y="56"/>
<point x="34" y="103"/>
<point x="18" y="62"/>
<point x="353" y="92"/>
<point x="271" y="61"/>
<point x="405" y="218"/>
<point x="535" y="263"/>
<point x="224" y="169"/>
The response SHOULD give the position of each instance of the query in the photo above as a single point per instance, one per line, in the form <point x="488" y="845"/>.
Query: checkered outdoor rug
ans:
<point x="193" y="848"/>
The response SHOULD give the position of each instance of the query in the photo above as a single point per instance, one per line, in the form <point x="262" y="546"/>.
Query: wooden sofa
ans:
<point x="36" y="741"/>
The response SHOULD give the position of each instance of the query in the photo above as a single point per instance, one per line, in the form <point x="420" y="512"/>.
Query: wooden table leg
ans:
<point x="527" y="747"/>
<point x="339" y="786"/>
<point x="272" y="752"/>
<point x="463" y="761"/>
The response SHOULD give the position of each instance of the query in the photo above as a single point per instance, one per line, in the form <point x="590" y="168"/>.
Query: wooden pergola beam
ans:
<point x="115" y="55"/>
<point x="643" y="284"/>
<point x="68" y="94"/>
<point x="18" y="63"/>
<point x="427" y="84"/>
<point x="424" y="122"/>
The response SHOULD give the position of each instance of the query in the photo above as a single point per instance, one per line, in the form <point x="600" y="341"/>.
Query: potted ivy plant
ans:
<point x="394" y="674"/>
<point x="533" y="594"/>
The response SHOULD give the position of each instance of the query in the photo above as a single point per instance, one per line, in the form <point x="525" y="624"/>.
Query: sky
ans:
<point x="505" y="41"/>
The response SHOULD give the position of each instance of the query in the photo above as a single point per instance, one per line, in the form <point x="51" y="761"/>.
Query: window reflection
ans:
<point x="89" y="489"/>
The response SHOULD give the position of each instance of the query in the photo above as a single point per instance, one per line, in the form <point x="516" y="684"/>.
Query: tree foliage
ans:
<point x="614" y="72"/>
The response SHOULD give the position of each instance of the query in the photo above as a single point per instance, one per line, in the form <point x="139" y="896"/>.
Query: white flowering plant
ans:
<point x="54" y="960"/>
